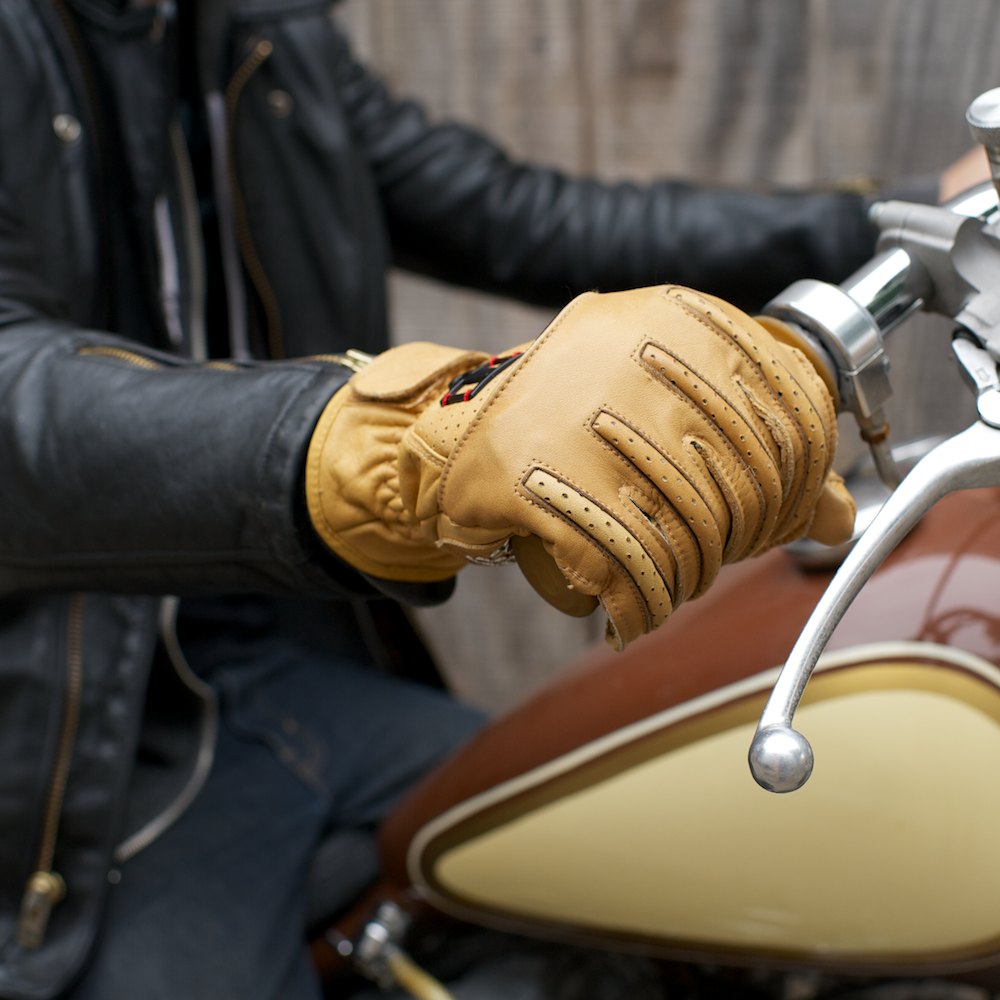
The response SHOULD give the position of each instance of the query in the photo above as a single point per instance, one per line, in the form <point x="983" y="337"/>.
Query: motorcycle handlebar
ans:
<point x="843" y="327"/>
<point x="941" y="259"/>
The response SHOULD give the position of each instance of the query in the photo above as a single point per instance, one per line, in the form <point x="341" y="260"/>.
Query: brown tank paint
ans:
<point x="939" y="586"/>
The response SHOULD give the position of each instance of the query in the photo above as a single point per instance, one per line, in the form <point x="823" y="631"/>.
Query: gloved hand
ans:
<point x="644" y="439"/>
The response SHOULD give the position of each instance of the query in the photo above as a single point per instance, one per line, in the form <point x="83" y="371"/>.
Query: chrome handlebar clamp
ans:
<point x="829" y="317"/>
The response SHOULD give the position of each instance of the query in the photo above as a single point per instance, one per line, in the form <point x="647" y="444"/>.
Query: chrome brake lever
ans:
<point x="939" y="262"/>
<point x="781" y="759"/>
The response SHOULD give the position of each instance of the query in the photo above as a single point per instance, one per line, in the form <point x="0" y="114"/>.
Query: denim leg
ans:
<point x="216" y="908"/>
<point x="212" y="910"/>
<point x="357" y="738"/>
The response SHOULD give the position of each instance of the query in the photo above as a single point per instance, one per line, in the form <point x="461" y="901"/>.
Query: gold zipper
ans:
<point x="260" y="53"/>
<point x="352" y="358"/>
<point x="122" y="354"/>
<point x="45" y="887"/>
<point x="138" y="360"/>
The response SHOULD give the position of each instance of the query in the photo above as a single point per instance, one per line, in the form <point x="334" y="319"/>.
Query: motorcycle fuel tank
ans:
<point x="617" y="806"/>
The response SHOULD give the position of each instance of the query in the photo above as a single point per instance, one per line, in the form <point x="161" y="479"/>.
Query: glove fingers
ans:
<point x="684" y="500"/>
<point x="791" y="400"/>
<point x="834" y="520"/>
<point x="627" y="619"/>
<point x="618" y="538"/>
<point x="730" y="425"/>
<point x="814" y="416"/>
<point x="801" y="443"/>
<point x="624" y="555"/>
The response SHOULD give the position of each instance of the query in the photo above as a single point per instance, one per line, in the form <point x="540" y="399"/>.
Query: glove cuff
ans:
<point x="352" y="465"/>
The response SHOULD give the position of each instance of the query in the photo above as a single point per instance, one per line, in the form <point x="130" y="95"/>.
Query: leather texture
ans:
<point x="646" y="438"/>
<point x="353" y="489"/>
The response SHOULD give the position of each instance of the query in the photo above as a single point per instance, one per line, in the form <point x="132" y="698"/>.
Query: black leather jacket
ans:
<point x="132" y="470"/>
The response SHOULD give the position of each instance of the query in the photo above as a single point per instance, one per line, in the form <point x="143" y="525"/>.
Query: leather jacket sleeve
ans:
<point x="460" y="210"/>
<point x="131" y="470"/>
<point x="128" y="470"/>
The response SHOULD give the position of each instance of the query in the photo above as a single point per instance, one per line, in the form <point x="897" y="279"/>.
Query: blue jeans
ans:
<point x="309" y="745"/>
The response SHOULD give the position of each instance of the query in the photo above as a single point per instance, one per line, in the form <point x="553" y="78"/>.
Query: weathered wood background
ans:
<point x="736" y="92"/>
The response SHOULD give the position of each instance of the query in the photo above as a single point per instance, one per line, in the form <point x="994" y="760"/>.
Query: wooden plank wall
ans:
<point x="735" y="92"/>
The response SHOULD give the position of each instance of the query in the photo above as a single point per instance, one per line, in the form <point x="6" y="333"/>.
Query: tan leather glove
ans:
<point x="644" y="439"/>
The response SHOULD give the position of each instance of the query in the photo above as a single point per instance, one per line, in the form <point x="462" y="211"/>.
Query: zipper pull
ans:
<point x="43" y="891"/>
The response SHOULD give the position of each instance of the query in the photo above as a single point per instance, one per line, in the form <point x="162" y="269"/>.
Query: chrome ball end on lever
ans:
<point x="781" y="758"/>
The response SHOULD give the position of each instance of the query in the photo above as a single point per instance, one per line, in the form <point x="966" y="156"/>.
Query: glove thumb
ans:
<point x="542" y="572"/>
<point x="834" y="520"/>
